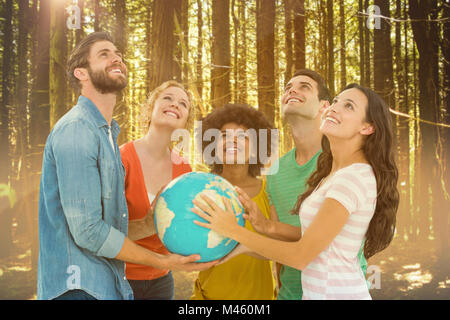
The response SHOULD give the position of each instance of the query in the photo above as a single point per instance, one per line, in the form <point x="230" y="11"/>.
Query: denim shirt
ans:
<point x="83" y="216"/>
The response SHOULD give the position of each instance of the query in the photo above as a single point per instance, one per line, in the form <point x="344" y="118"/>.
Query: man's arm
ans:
<point x="75" y="151"/>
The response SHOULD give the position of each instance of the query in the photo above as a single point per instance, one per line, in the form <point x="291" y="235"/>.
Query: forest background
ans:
<point x="238" y="51"/>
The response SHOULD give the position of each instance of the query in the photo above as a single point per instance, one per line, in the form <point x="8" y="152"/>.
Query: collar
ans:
<point x="97" y="116"/>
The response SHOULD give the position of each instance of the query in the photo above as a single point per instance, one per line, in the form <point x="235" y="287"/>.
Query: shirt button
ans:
<point x="125" y="278"/>
<point x="124" y="215"/>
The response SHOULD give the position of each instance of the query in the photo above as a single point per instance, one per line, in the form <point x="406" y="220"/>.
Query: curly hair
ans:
<point x="243" y="115"/>
<point x="379" y="152"/>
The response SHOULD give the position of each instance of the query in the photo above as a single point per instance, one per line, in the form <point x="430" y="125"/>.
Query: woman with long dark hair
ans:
<point x="351" y="199"/>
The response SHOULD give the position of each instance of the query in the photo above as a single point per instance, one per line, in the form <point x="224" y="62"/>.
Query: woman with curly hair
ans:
<point x="235" y="159"/>
<point x="150" y="163"/>
<point x="351" y="197"/>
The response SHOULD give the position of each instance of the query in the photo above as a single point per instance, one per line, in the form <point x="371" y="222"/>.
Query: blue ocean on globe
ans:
<point x="174" y="220"/>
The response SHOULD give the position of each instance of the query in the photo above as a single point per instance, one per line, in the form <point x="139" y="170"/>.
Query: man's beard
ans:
<point x="105" y="84"/>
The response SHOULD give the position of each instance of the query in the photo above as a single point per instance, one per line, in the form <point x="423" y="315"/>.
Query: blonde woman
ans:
<point x="150" y="164"/>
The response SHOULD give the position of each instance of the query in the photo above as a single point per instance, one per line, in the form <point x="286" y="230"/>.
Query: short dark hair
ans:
<point x="324" y="92"/>
<point x="243" y="115"/>
<point x="79" y="56"/>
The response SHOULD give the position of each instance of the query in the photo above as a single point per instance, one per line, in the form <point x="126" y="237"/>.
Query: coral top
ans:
<point x="139" y="204"/>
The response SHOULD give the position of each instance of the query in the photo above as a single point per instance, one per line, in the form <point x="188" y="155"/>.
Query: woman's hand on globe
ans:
<point x="178" y="262"/>
<point x="223" y="222"/>
<point x="253" y="214"/>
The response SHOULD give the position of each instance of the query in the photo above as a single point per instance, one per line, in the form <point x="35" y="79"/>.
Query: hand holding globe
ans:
<point x="174" y="218"/>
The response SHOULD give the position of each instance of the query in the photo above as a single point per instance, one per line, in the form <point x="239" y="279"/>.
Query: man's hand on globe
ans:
<point x="252" y="212"/>
<point x="178" y="262"/>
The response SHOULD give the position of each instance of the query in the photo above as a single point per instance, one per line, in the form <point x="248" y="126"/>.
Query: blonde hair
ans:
<point x="150" y="103"/>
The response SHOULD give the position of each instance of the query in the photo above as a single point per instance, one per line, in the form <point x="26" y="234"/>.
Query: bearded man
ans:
<point x="83" y="215"/>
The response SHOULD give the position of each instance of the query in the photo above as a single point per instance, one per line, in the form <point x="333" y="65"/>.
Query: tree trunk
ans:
<point x="330" y="49"/>
<point x="299" y="34"/>
<point x="97" y="10"/>
<point x="265" y="42"/>
<point x="40" y="112"/>
<point x="199" y="49"/>
<point x="79" y="33"/>
<point x="177" y="46"/>
<point x="426" y="38"/>
<point x="242" y="50"/>
<point x="220" y="53"/>
<point x="121" y="112"/>
<point x="163" y="36"/>
<point x="288" y="41"/>
<point x="58" y="49"/>
<point x="185" y="45"/>
<point x="323" y="46"/>
<point x="382" y="56"/>
<point x="342" y="42"/>
<point x="367" y="63"/>
<point x="362" y="47"/>
<point x="7" y="85"/>
<point x="402" y="128"/>
<point x="6" y="106"/>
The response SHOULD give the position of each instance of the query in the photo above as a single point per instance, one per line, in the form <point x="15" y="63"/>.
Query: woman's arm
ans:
<point x="271" y="228"/>
<point x="325" y="226"/>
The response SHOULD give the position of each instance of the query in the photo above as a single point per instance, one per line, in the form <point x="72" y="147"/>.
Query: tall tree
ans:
<point x="7" y="96"/>
<point x="40" y="111"/>
<point x="445" y="135"/>
<point x="288" y="40"/>
<point x="178" y="40"/>
<point x="79" y="34"/>
<point x="362" y="47"/>
<point x="265" y="42"/>
<point x="163" y="35"/>
<point x="426" y="37"/>
<point x="6" y="106"/>
<point x="148" y="47"/>
<point x="97" y="12"/>
<point x="382" y="56"/>
<point x="403" y="158"/>
<point x="121" y="112"/>
<point x="199" y="48"/>
<point x="58" y="51"/>
<point x="220" y="53"/>
<point x="330" y="49"/>
<point x="342" y="50"/>
<point x="299" y="34"/>
<point x="367" y="62"/>
<point x="242" y="52"/>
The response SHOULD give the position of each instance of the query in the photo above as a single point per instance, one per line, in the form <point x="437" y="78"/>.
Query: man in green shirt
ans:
<point x="304" y="97"/>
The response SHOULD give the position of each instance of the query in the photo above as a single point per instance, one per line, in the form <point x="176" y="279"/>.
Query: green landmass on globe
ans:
<point x="174" y="219"/>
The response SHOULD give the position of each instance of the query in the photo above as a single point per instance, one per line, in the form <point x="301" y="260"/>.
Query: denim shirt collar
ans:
<point x="97" y="116"/>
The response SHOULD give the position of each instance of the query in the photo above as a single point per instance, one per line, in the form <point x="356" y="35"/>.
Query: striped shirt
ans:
<point x="336" y="273"/>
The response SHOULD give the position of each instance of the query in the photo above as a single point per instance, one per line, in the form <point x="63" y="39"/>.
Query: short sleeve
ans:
<point x="347" y="188"/>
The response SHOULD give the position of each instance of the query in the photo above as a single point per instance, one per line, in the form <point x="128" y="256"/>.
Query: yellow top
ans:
<point x="241" y="278"/>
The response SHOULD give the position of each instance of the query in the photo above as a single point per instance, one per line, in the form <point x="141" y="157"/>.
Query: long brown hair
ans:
<point x="378" y="150"/>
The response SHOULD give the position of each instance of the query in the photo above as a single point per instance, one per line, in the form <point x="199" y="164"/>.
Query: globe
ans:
<point x="174" y="220"/>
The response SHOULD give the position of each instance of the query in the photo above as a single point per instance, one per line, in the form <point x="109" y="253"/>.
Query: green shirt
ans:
<point x="283" y="188"/>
